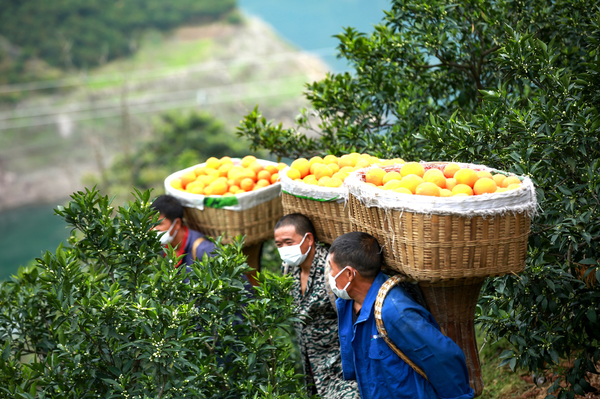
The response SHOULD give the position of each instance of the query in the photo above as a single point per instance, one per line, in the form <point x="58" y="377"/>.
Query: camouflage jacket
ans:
<point x="318" y="335"/>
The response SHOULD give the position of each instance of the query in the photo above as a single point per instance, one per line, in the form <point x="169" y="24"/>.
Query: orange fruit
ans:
<point x="311" y="179"/>
<point x="362" y="163"/>
<point x="219" y="187"/>
<point x="187" y="178"/>
<point x="340" y="175"/>
<point x="281" y="166"/>
<point x="263" y="174"/>
<point x="176" y="184"/>
<point x="402" y="190"/>
<point x="208" y="190"/>
<point x="235" y="170"/>
<point x="444" y="192"/>
<point x="462" y="189"/>
<point x="370" y="184"/>
<point x="207" y="180"/>
<point x="436" y="177"/>
<point x="314" y="166"/>
<point x="294" y="174"/>
<point x="513" y="186"/>
<point x="247" y="160"/>
<point x="228" y="194"/>
<point x="234" y="188"/>
<point x="333" y="182"/>
<point x="256" y="166"/>
<point x="249" y="173"/>
<point x="262" y="183"/>
<point x="211" y="172"/>
<point x="330" y="159"/>
<point x="507" y="182"/>
<point x="450" y="183"/>
<point x="466" y="176"/>
<point x="314" y="160"/>
<point x="374" y="175"/>
<point x="199" y="170"/>
<point x="461" y="195"/>
<point x="484" y="185"/>
<point x="224" y="169"/>
<point x="272" y="169"/>
<point x="391" y="185"/>
<point x="391" y="176"/>
<point x="484" y="173"/>
<point x="501" y="190"/>
<point x="274" y="178"/>
<point x="302" y="166"/>
<point x="323" y="181"/>
<point x="322" y="170"/>
<point x="451" y="169"/>
<point x="225" y="160"/>
<point x="499" y="178"/>
<point x="428" y="188"/>
<point x="247" y="184"/>
<point x="333" y="167"/>
<point x="346" y="160"/>
<point x="213" y="162"/>
<point x="196" y="189"/>
<point x="411" y="182"/>
<point x="412" y="168"/>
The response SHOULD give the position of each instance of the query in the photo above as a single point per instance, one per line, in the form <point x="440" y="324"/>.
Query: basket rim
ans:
<point x="522" y="199"/>
<point x="245" y="200"/>
<point x="310" y="192"/>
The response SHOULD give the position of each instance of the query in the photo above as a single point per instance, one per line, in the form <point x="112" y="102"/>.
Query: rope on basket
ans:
<point x="383" y="291"/>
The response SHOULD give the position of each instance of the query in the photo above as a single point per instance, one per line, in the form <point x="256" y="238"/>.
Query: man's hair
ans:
<point x="301" y="223"/>
<point x="169" y="206"/>
<point x="358" y="250"/>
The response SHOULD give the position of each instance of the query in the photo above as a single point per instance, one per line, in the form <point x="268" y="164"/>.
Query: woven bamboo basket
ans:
<point x="437" y="239"/>
<point x="449" y="245"/>
<point x="324" y="206"/>
<point x="251" y="214"/>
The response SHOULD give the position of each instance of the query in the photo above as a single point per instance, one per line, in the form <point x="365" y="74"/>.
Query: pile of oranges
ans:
<point x="448" y="180"/>
<point x="225" y="177"/>
<point x="331" y="171"/>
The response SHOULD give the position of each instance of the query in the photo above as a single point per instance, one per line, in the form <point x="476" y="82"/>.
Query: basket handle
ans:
<point x="383" y="291"/>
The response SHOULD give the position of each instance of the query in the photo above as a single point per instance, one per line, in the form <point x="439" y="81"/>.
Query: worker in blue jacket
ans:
<point x="356" y="277"/>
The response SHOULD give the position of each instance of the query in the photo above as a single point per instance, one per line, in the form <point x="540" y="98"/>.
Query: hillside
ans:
<point x="53" y="138"/>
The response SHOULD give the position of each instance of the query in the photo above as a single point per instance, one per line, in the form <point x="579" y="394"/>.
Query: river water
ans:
<point x="26" y="233"/>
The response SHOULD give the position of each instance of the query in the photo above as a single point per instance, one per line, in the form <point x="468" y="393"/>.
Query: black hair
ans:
<point x="301" y="223"/>
<point x="358" y="250"/>
<point x="168" y="206"/>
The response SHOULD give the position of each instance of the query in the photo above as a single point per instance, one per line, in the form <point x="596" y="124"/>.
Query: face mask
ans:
<point x="165" y="236"/>
<point x="292" y="255"/>
<point x="340" y="293"/>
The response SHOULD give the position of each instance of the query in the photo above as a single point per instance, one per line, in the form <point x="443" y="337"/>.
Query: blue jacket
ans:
<point x="383" y="374"/>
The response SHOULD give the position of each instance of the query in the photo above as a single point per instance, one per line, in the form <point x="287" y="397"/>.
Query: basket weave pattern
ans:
<point x="255" y="223"/>
<point x="330" y="218"/>
<point x="445" y="247"/>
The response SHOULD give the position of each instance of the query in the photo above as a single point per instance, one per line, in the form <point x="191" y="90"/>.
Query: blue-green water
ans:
<point x="311" y="24"/>
<point x="27" y="232"/>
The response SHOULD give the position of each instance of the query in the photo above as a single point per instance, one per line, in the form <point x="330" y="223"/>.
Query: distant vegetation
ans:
<point x="86" y="33"/>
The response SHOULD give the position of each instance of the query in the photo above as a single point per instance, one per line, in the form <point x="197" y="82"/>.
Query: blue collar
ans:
<point x="369" y="301"/>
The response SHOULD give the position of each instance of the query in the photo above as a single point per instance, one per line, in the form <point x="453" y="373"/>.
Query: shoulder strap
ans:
<point x="383" y="291"/>
<point x="198" y="241"/>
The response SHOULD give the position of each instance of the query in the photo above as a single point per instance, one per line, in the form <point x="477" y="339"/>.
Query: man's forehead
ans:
<point x="286" y="231"/>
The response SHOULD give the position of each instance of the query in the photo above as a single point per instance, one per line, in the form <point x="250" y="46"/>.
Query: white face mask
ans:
<point x="292" y="255"/>
<point x="340" y="293"/>
<point x="165" y="237"/>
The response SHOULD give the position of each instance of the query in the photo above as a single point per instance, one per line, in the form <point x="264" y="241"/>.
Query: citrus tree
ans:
<point x="510" y="84"/>
<point x="110" y="316"/>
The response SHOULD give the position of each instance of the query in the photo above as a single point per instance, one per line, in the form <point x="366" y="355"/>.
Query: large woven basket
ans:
<point x="251" y="214"/>
<point x="324" y="206"/>
<point x="433" y="239"/>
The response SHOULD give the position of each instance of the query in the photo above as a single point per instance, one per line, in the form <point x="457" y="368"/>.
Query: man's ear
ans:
<point x="310" y="238"/>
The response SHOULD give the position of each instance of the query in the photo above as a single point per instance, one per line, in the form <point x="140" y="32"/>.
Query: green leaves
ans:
<point x="111" y="315"/>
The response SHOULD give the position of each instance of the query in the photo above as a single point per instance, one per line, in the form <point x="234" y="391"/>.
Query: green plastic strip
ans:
<point x="213" y="202"/>
<point x="312" y="199"/>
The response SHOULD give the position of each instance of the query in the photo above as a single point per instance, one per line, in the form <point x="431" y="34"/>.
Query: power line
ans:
<point x="114" y="107"/>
